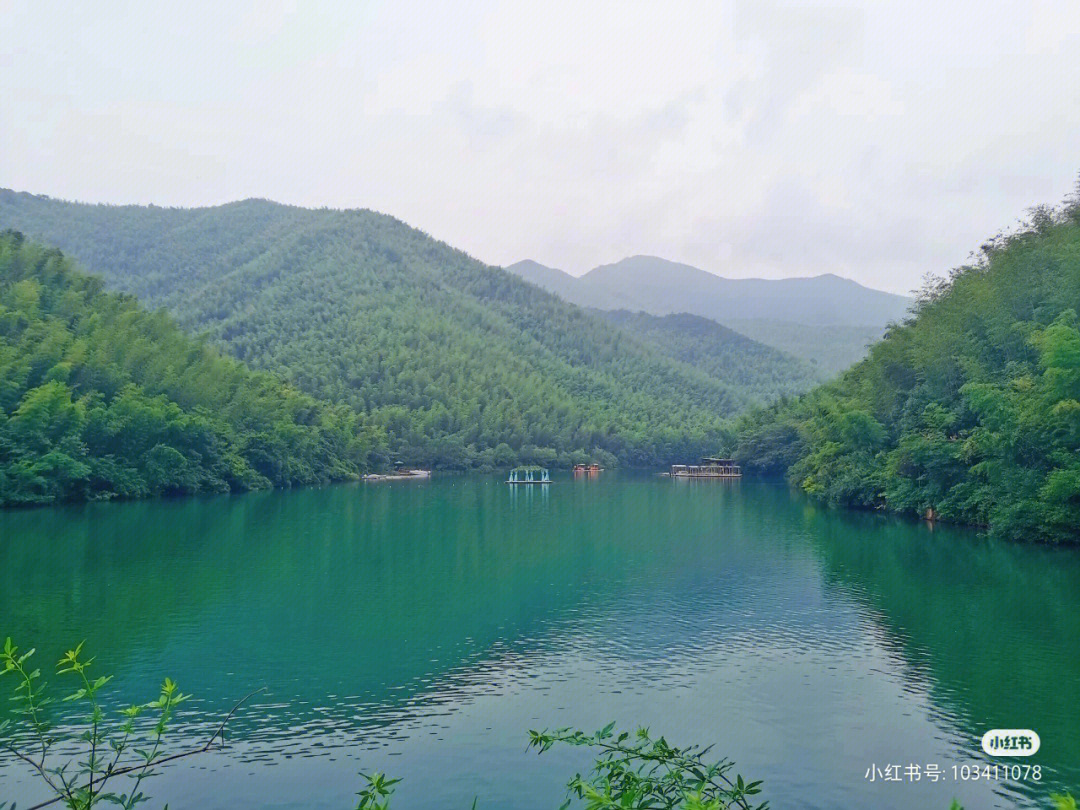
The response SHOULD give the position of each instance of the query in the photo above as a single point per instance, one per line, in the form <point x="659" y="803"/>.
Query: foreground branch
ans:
<point x="111" y="772"/>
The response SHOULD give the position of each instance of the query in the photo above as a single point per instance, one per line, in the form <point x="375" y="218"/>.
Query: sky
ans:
<point x="879" y="140"/>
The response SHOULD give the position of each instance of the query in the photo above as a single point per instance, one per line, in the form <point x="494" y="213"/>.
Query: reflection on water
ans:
<point x="422" y="628"/>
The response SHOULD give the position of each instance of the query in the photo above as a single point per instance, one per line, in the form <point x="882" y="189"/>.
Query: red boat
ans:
<point x="587" y="469"/>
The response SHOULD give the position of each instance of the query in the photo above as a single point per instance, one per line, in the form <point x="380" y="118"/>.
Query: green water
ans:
<point x="422" y="628"/>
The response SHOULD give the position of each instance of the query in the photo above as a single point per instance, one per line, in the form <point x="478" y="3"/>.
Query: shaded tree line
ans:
<point x="969" y="411"/>
<point x="759" y="372"/>
<point x="99" y="399"/>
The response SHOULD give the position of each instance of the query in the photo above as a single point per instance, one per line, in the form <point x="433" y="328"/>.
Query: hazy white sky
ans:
<point x="876" y="140"/>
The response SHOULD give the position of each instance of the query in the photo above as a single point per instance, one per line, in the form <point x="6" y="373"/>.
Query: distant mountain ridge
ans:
<point x="662" y="287"/>
<point x="838" y="316"/>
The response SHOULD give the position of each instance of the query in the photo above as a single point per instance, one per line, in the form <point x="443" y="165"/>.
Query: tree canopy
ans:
<point x="969" y="411"/>
<point x="756" y="369"/>
<point x="99" y="398"/>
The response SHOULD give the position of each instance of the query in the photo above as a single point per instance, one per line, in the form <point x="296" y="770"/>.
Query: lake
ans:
<point x="421" y="628"/>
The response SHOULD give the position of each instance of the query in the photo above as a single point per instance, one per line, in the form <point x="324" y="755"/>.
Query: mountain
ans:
<point x="571" y="289"/>
<point x="826" y="319"/>
<point x="967" y="412"/>
<point x="99" y="399"/>
<point x="661" y="286"/>
<point x="460" y="363"/>
<point x="751" y="364"/>
<point x="552" y="280"/>
<point x="764" y="372"/>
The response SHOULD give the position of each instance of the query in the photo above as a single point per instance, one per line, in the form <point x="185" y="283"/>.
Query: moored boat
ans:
<point x="710" y="467"/>
<point x="587" y="469"/>
<point x="399" y="475"/>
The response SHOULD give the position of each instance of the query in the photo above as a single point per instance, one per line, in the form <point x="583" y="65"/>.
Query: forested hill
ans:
<point x="461" y="363"/>
<point x="764" y="372"/>
<point x="970" y="411"/>
<point x="826" y="320"/>
<point x="663" y="286"/>
<point x="99" y="398"/>
<point x="659" y="286"/>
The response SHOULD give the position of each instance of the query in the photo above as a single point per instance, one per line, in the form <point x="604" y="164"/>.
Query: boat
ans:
<point x="399" y="475"/>
<point x="587" y="469"/>
<point x="529" y="475"/>
<point x="710" y="467"/>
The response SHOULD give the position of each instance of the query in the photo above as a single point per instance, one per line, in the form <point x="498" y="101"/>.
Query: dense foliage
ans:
<point x="764" y="373"/>
<point x="99" y="398"/>
<point x="970" y="411"/>
<point x="646" y="772"/>
<point x="462" y="364"/>
<point x="829" y="349"/>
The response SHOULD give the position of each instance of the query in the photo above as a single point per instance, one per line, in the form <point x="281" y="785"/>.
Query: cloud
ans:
<point x="877" y="140"/>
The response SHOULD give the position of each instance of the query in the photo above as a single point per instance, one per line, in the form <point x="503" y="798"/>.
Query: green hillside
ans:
<point x="829" y="349"/>
<point x="461" y="363"/>
<point x="970" y="410"/>
<point x="99" y="398"/>
<point x="825" y="320"/>
<point x="763" y="372"/>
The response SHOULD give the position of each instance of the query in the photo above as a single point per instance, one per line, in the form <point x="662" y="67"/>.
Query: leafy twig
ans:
<point x="92" y="792"/>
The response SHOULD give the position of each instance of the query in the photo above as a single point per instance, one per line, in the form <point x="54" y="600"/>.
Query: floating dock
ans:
<point x="529" y="475"/>
<point x="710" y="467"/>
